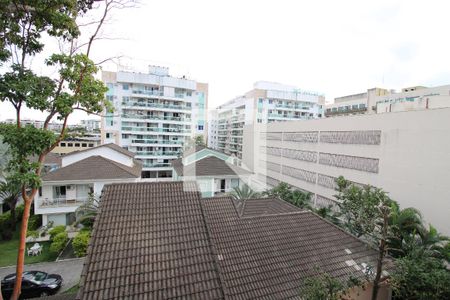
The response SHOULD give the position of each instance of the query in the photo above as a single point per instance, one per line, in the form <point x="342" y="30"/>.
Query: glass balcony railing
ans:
<point x="155" y="129"/>
<point x="159" y="93"/>
<point x="62" y="201"/>
<point x="156" y="165"/>
<point x="153" y="117"/>
<point x="172" y="153"/>
<point x="151" y="141"/>
<point x="290" y="106"/>
<point x="155" y="105"/>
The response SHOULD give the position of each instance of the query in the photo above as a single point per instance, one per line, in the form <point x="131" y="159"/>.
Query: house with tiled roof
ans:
<point x="163" y="241"/>
<point x="215" y="172"/>
<point x="79" y="174"/>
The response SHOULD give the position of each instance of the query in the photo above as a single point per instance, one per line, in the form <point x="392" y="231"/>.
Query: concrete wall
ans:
<point x="406" y="153"/>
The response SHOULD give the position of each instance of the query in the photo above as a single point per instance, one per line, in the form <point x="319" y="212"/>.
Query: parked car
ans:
<point x="34" y="284"/>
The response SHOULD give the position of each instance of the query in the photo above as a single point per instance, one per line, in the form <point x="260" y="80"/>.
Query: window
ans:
<point x="40" y="192"/>
<point x="77" y="144"/>
<point x="108" y="135"/>
<point x="260" y="100"/>
<point x="125" y="86"/>
<point x="270" y="101"/>
<point x="83" y="145"/>
<point x="91" y="145"/>
<point x="200" y="127"/>
<point x="69" y="144"/>
<point x="62" y="144"/>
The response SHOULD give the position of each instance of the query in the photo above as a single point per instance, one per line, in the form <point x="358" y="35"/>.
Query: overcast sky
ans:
<point x="333" y="47"/>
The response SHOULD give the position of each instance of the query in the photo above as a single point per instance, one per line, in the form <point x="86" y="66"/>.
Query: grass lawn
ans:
<point x="8" y="250"/>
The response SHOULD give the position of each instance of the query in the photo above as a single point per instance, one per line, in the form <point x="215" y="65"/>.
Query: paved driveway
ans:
<point x="70" y="270"/>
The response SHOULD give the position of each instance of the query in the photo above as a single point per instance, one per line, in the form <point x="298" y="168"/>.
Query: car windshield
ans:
<point x="35" y="276"/>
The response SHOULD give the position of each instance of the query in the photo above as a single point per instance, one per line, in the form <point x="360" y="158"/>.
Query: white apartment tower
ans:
<point x="155" y="114"/>
<point x="268" y="102"/>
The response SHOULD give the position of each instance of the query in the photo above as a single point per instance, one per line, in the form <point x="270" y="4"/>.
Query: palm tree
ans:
<point x="436" y="244"/>
<point x="406" y="224"/>
<point x="10" y="194"/>
<point x="244" y="192"/>
<point x="85" y="214"/>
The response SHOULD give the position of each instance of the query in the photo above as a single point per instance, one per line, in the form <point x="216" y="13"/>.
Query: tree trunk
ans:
<point x="21" y="252"/>
<point x="376" y="281"/>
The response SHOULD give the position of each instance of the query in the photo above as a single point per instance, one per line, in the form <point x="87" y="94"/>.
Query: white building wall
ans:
<point x="100" y="151"/>
<point x="407" y="154"/>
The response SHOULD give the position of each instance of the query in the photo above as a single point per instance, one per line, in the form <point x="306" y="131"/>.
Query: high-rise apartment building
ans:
<point x="268" y="102"/>
<point x="155" y="114"/>
<point x="378" y="100"/>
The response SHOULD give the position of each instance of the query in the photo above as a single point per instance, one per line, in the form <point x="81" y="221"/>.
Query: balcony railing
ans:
<point x="153" y="117"/>
<point x="150" y="141"/>
<point x="156" y="165"/>
<point x="155" y="105"/>
<point x="155" y="129"/>
<point x="171" y="153"/>
<point x="158" y="93"/>
<point x="62" y="201"/>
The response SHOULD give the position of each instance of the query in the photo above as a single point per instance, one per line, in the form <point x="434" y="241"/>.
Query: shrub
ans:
<point x="56" y="230"/>
<point x="33" y="233"/>
<point x="5" y="226"/>
<point x="59" y="242"/>
<point x="80" y="243"/>
<point x="34" y="222"/>
<point x="19" y="212"/>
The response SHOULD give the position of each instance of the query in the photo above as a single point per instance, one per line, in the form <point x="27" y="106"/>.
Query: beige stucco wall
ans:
<point x="413" y="154"/>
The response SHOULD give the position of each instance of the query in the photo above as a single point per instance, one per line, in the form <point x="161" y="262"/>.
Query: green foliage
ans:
<point x="19" y="212"/>
<point x="85" y="214"/>
<point x="56" y="230"/>
<point x="59" y="242"/>
<point x="322" y="287"/>
<point x="199" y="140"/>
<point x="6" y="231"/>
<point x="34" y="222"/>
<point x="80" y="243"/>
<point x="285" y="192"/>
<point x="244" y="192"/>
<point x="56" y="18"/>
<point x="420" y="277"/>
<point x="33" y="233"/>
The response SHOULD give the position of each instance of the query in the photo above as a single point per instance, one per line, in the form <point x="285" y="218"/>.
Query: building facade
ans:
<point x="378" y="100"/>
<point x="407" y="154"/>
<point x="80" y="175"/>
<point x="214" y="172"/>
<point x="267" y="103"/>
<point x="154" y="115"/>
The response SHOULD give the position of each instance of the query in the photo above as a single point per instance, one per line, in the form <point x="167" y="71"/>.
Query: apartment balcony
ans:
<point x="63" y="201"/>
<point x="140" y="142"/>
<point x="158" y="94"/>
<point x="346" y="111"/>
<point x="292" y="107"/>
<point x="146" y="154"/>
<point x="156" y="165"/>
<point x="147" y="118"/>
<point x="153" y="106"/>
<point x="131" y="129"/>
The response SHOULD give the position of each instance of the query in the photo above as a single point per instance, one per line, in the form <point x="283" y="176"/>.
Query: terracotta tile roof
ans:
<point x="111" y="146"/>
<point x="263" y="206"/>
<point x="150" y="241"/>
<point x="161" y="241"/>
<point x="94" y="167"/>
<point x="208" y="166"/>
<point x="269" y="256"/>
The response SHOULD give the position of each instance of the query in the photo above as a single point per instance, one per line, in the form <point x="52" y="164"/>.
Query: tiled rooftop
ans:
<point x="150" y="242"/>
<point x="161" y="241"/>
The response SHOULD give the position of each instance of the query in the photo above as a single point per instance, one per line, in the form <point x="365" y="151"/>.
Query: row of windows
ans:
<point x="82" y="145"/>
